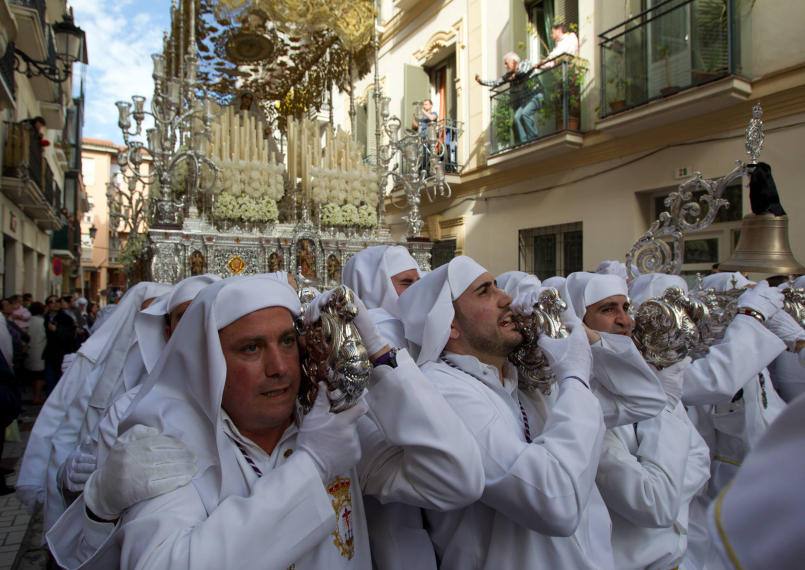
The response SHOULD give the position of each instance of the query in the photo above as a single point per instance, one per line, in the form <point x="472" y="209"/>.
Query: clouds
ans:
<point x="121" y="36"/>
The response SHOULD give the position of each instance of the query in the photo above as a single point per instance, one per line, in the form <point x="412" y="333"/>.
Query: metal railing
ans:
<point x="674" y="45"/>
<point x="448" y="133"/>
<point x="22" y="155"/>
<point x="545" y="103"/>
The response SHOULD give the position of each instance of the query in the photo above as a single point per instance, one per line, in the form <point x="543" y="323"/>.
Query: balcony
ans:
<point x="678" y="59"/>
<point x="28" y="180"/>
<point x="544" y="107"/>
<point x="32" y="24"/>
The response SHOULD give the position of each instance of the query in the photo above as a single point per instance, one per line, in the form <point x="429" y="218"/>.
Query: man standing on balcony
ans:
<point x="525" y="99"/>
<point x="564" y="42"/>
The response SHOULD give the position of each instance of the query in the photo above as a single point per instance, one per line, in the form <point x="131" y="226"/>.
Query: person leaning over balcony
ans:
<point x="565" y="42"/>
<point x="525" y="100"/>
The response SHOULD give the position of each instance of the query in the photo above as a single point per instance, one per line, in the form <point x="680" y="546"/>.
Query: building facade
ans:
<point x="41" y="191"/>
<point x="660" y="90"/>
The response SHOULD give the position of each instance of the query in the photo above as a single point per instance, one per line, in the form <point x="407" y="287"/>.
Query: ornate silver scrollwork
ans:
<point x="534" y="373"/>
<point x="661" y="248"/>
<point x="335" y="353"/>
<point x="664" y="331"/>
<point x="794" y="304"/>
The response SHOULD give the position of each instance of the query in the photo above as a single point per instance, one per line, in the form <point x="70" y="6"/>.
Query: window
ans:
<point x="542" y="14"/>
<point x="552" y="250"/>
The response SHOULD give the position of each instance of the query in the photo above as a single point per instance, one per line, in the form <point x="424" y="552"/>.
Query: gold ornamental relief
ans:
<point x="236" y="265"/>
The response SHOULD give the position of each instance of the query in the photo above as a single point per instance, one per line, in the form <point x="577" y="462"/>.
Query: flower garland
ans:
<point x="246" y="208"/>
<point x="367" y="216"/>
<point x="252" y="178"/>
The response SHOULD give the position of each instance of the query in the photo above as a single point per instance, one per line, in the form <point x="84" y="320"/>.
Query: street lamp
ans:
<point x="70" y="47"/>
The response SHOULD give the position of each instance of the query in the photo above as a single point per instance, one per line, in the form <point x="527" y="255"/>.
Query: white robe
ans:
<point x="648" y="475"/>
<point x="747" y="348"/>
<point x="788" y="374"/>
<point x="540" y="507"/>
<point x="626" y="386"/>
<point x="415" y="450"/>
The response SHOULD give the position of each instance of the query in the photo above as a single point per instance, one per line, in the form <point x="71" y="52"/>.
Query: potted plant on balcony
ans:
<point x="576" y="74"/>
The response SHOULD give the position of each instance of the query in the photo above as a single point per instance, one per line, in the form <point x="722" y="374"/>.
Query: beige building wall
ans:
<point x="97" y="159"/>
<point x="606" y="176"/>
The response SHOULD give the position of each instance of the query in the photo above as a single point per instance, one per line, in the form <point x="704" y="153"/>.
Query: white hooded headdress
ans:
<point x="516" y="282"/>
<point x="369" y="274"/>
<point x="182" y="396"/>
<point x="614" y="267"/>
<point x="582" y="289"/>
<point x="653" y="285"/>
<point x="426" y="307"/>
<point x="723" y="281"/>
<point x="557" y="282"/>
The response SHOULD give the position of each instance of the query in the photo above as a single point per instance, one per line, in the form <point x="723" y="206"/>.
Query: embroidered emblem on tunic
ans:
<point x="341" y="497"/>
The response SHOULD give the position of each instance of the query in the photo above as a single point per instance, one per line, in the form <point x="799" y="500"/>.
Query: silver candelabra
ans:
<point x="182" y="113"/>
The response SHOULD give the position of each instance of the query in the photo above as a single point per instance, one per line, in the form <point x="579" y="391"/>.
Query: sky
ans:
<point x="121" y="36"/>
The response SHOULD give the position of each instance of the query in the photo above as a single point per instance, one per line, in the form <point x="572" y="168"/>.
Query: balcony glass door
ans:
<point x="669" y="49"/>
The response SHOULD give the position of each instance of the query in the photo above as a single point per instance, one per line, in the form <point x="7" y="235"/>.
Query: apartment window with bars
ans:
<point x="551" y="250"/>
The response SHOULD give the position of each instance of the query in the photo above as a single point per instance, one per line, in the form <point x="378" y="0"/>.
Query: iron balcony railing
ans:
<point x="674" y="45"/>
<point x="545" y="103"/>
<point x="22" y="155"/>
<point x="448" y="133"/>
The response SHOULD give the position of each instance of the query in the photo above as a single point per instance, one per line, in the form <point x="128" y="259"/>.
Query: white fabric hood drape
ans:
<point x="516" y="282"/>
<point x="115" y="339"/>
<point x="557" y="282"/>
<point x="182" y="396"/>
<point x="723" y="281"/>
<point x="369" y="274"/>
<point x="614" y="267"/>
<point x="653" y="285"/>
<point x="150" y="323"/>
<point x="582" y="289"/>
<point x="426" y="307"/>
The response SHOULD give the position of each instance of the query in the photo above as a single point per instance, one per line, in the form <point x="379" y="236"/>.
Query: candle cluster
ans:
<point x="250" y="181"/>
<point x="334" y="177"/>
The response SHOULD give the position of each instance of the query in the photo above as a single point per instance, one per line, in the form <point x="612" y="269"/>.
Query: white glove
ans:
<point x="142" y="464"/>
<point x="370" y="336"/>
<point x="330" y="439"/>
<point x="523" y="303"/>
<point x="786" y="328"/>
<point x="764" y="299"/>
<point x="569" y="357"/>
<point x="79" y="466"/>
<point x="672" y="379"/>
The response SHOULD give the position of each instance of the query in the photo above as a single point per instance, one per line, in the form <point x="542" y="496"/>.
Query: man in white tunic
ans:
<point x="103" y="355"/>
<point x="379" y="275"/>
<point x="227" y="385"/>
<point x="626" y="386"/>
<point x="757" y="522"/>
<point x="153" y="327"/>
<point x="540" y="507"/>
<point x="650" y="471"/>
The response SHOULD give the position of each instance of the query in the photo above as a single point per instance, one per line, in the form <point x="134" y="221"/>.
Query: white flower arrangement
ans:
<point x="254" y="179"/>
<point x="331" y="215"/>
<point x="367" y="217"/>
<point x="245" y="208"/>
<point x="349" y="215"/>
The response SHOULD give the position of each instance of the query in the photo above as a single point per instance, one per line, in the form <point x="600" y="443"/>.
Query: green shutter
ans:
<point x="416" y="88"/>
